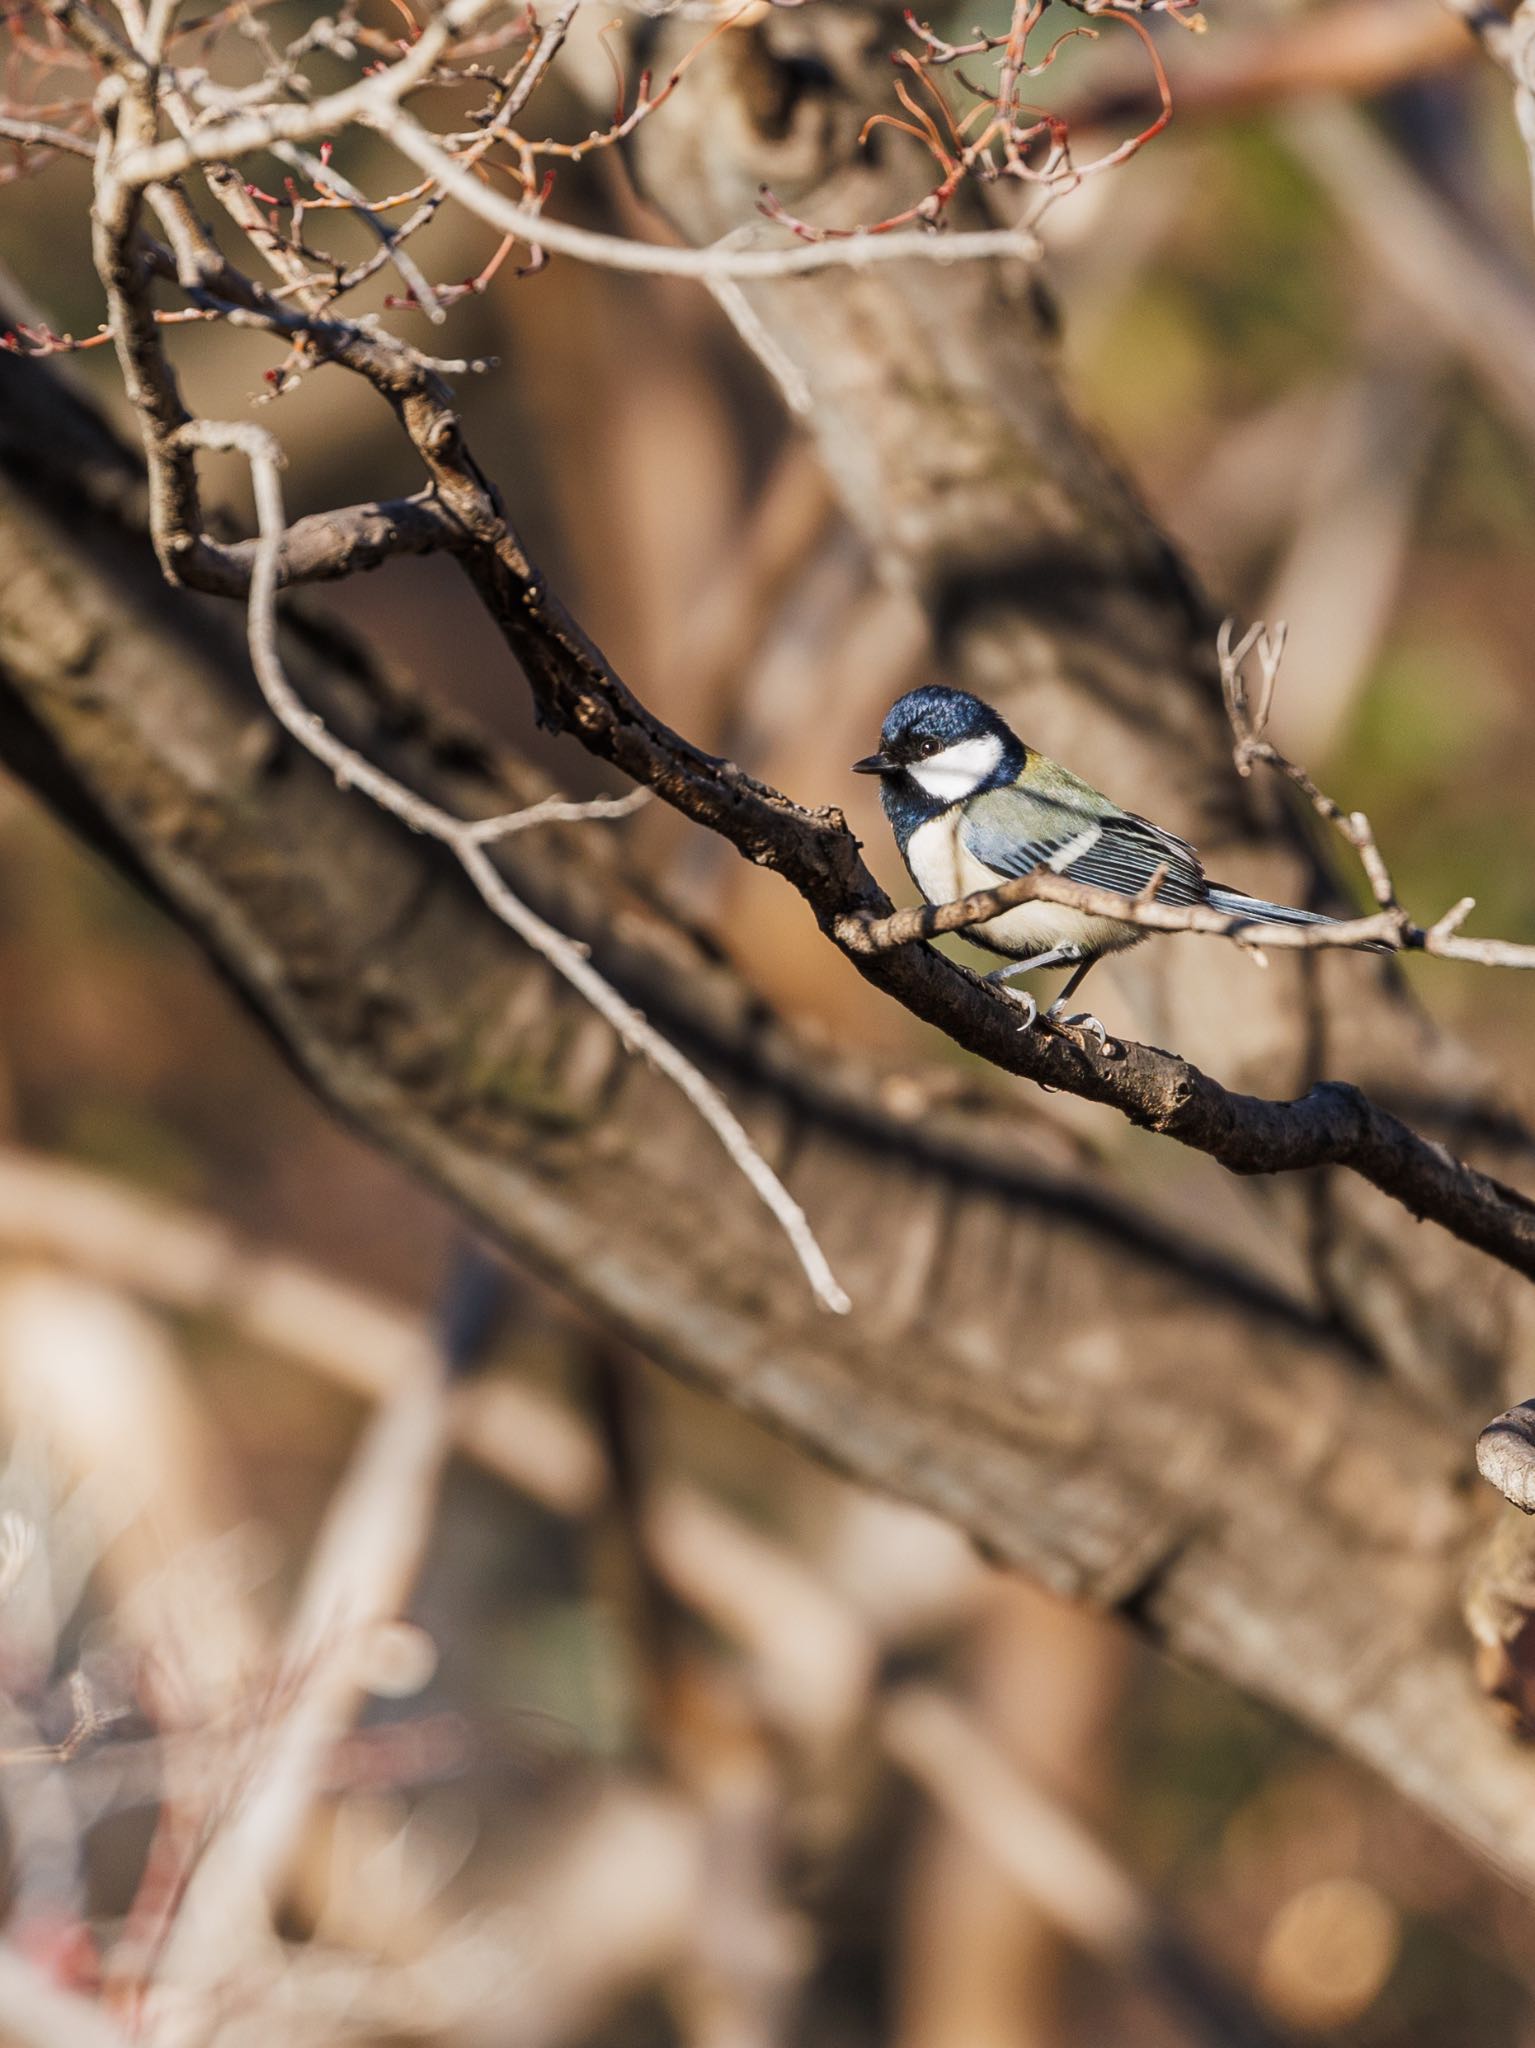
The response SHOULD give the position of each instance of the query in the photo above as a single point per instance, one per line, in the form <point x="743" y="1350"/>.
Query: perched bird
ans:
<point x="971" y="805"/>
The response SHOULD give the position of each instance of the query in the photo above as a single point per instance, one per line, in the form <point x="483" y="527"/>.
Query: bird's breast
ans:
<point x="939" y="862"/>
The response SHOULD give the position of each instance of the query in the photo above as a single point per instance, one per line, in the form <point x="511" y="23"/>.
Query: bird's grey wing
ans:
<point x="1014" y="830"/>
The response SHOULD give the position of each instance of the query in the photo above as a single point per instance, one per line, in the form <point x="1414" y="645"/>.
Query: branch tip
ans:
<point x="1505" y="1455"/>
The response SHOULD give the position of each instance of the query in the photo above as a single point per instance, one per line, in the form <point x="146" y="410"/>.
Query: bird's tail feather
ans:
<point x="1236" y="903"/>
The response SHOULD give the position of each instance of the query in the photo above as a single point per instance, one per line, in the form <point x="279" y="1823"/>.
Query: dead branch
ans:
<point x="468" y="840"/>
<point x="716" y="266"/>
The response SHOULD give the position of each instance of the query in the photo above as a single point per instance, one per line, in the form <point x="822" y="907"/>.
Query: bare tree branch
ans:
<point x="468" y="840"/>
<point x="722" y="264"/>
<point x="1505" y="1455"/>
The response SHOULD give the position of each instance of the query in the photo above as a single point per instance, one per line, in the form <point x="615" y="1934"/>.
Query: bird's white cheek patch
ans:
<point x="959" y="770"/>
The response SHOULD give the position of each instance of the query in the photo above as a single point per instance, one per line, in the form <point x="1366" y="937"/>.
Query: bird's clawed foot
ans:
<point x="1083" y="1021"/>
<point x="1022" y="997"/>
<point x="1080" y="1021"/>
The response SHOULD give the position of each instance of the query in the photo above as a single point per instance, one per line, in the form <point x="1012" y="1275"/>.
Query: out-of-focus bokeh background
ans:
<point x="1308" y="327"/>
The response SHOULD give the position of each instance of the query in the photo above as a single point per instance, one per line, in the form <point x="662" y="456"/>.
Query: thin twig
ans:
<point x="367" y="100"/>
<point x="44" y="135"/>
<point x="556" y="810"/>
<point x="793" y="386"/>
<point x="468" y="840"/>
<point x="1248" y="724"/>
<point x="1389" y="927"/>
<point x="550" y="42"/>
<point x="863" y="933"/>
<point x="377" y="102"/>
<point x="327" y="178"/>
<point x="724" y="261"/>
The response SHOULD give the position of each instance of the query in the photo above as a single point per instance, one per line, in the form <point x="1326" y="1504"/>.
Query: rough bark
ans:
<point x="1130" y="1419"/>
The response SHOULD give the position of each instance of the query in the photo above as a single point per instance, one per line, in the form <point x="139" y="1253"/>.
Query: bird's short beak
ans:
<point x="875" y="764"/>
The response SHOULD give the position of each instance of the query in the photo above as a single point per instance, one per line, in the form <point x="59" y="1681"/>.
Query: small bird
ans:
<point x="971" y="805"/>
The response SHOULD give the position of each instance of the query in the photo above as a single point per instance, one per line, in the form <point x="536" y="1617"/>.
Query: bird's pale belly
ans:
<point x="943" y="868"/>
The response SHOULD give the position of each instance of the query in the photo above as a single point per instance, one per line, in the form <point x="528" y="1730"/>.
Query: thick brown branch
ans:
<point x="1333" y="1125"/>
<point x="327" y="546"/>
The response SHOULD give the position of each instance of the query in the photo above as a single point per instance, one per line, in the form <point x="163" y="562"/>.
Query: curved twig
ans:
<point x="468" y="839"/>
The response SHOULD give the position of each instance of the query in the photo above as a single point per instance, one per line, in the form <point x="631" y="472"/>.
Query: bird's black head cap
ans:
<point x="930" y="720"/>
<point x="937" y="748"/>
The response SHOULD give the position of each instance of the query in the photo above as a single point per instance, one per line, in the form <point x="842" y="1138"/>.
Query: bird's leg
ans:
<point x="1058" y="956"/>
<point x="1073" y="983"/>
<point x="1084" y="1020"/>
